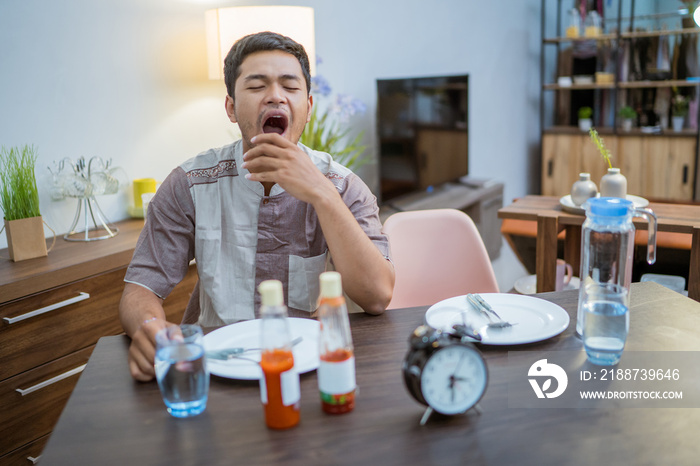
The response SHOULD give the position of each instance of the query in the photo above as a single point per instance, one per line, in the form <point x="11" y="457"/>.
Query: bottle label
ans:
<point x="263" y="389"/>
<point x="337" y="378"/>
<point x="289" y="386"/>
<point x="291" y="392"/>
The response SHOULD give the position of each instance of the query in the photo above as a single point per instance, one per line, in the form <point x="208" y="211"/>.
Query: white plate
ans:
<point x="528" y="284"/>
<point x="536" y="318"/>
<point x="247" y="335"/>
<point x="568" y="205"/>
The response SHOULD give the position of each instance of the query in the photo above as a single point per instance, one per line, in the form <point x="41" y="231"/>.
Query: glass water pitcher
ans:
<point x="607" y="245"/>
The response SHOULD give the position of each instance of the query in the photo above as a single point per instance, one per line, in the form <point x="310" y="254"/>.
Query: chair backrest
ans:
<point x="437" y="254"/>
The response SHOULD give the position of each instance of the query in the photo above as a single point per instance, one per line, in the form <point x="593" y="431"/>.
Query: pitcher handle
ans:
<point x="650" y="217"/>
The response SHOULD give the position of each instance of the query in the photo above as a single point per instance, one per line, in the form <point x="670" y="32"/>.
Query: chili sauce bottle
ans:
<point x="279" y="386"/>
<point x="336" y="371"/>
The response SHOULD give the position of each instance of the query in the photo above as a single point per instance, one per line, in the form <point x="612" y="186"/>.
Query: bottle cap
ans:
<point x="271" y="293"/>
<point x="331" y="285"/>
<point x="610" y="206"/>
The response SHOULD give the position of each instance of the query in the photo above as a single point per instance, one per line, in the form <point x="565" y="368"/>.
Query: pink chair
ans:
<point x="437" y="254"/>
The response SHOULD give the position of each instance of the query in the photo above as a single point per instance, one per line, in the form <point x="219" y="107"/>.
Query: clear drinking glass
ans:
<point x="606" y="322"/>
<point x="181" y="369"/>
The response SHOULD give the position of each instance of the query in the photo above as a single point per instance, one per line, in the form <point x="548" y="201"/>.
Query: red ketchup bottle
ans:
<point x="279" y="386"/>
<point x="336" y="371"/>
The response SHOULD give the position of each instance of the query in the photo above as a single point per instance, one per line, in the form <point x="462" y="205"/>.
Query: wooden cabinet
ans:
<point x="659" y="167"/>
<point x="656" y="167"/>
<point x="53" y="310"/>
<point x="564" y="156"/>
<point x="435" y="152"/>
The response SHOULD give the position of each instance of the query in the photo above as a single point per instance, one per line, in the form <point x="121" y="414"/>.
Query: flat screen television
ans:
<point x="423" y="133"/>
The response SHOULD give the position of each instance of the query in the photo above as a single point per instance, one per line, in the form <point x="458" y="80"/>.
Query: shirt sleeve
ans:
<point x="363" y="205"/>
<point x="166" y="244"/>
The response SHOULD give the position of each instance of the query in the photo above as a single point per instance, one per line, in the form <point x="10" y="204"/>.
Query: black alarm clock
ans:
<point x="444" y="371"/>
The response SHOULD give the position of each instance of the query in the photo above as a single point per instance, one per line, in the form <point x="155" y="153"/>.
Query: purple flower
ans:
<point x="346" y="106"/>
<point x="320" y="86"/>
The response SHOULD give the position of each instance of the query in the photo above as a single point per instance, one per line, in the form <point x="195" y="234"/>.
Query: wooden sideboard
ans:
<point x="480" y="199"/>
<point x="79" y="286"/>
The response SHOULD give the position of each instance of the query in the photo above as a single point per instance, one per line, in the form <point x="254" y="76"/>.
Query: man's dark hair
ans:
<point x="262" y="42"/>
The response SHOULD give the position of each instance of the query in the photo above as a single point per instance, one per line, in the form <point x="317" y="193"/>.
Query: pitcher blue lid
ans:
<point x="609" y="206"/>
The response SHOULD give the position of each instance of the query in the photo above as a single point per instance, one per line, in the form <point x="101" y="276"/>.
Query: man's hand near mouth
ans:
<point x="274" y="159"/>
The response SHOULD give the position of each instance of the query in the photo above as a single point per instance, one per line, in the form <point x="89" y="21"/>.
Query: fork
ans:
<point x="230" y="353"/>
<point x="495" y="321"/>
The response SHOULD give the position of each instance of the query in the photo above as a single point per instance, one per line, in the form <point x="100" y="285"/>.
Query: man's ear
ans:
<point x="230" y="109"/>
<point x="311" y="105"/>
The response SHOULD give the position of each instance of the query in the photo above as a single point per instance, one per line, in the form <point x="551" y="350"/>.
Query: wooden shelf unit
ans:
<point x="672" y="159"/>
<point x="623" y="35"/>
<point x="623" y="85"/>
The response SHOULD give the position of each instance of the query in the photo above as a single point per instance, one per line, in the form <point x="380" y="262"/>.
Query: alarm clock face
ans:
<point x="454" y="379"/>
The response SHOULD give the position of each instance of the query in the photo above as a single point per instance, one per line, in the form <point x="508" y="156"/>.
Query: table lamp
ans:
<point x="224" y="26"/>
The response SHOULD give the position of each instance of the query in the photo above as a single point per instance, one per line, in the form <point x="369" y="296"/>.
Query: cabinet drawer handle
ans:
<point x="51" y="381"/>
<point x="81" y="297"/>
<point x="33" y="460"/>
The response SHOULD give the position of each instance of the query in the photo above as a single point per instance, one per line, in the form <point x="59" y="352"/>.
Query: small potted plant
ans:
<point x="584" y="118"/>
<point x="613" y="183"/>
<point x="628" y="115"/>
<point x="19" y="200"/>
<point x="679" y="109"/>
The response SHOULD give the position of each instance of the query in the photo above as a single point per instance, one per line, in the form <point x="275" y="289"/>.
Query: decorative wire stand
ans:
<point x="91" y="207"/>
<point x="84" y="183"/>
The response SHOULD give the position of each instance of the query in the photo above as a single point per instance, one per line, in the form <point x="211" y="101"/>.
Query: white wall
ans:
<point x="127" y="80"/>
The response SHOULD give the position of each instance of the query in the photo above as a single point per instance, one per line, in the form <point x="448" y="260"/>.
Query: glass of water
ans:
<point x="606" y="322"/>
<point x="181" y="369"/>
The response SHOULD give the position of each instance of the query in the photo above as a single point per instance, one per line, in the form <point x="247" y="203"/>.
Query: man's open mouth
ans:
<point x="275" y="124"/>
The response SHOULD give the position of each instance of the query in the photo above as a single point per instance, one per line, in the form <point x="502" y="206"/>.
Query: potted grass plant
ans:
<point x="585" y="115"/>
<point x="19" y="200"/>
<point x="628" y="115"/>
<point x="679" y="110"/>
<point x="613" y="183"/>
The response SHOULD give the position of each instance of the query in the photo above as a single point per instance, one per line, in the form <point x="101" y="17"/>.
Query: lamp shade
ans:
<point x="224" y="26"/>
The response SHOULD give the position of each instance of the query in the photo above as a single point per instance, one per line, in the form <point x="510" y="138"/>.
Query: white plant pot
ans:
<point x="613" y="184"/>
<point x="678" y="123"/>
<point x="585" y="124"/>
<point x="627" y="124"/>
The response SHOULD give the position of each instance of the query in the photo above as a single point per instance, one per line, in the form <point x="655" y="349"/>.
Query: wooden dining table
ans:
<point x="111" y="419"/>
<point x="551" y="219"/>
